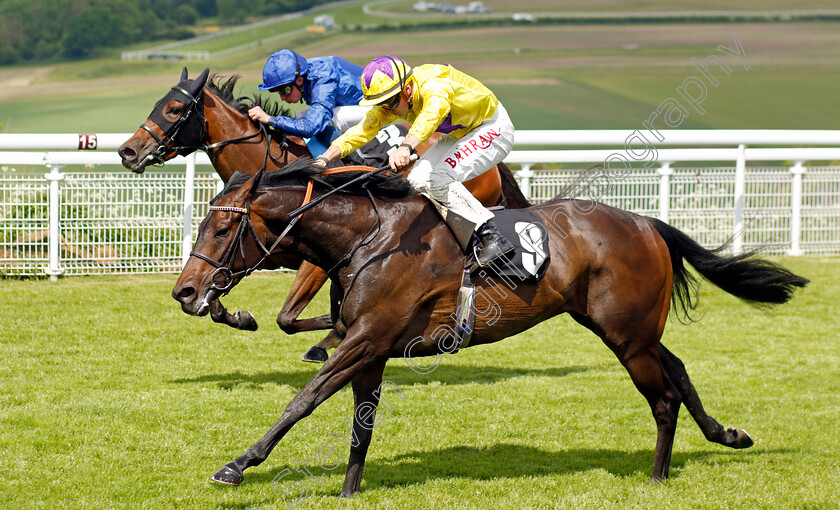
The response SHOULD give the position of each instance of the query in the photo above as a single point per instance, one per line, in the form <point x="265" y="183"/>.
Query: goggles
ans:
<point x="392" y="102"/>
<point x="284" y="90"/>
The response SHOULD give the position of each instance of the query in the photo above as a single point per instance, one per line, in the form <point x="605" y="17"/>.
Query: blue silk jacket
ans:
<point x="330" y="82"/>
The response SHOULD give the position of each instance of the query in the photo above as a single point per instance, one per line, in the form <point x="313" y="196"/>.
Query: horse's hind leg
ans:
<point x="714" y="431"/>
<point x="639" y="354"/>
<point x="652" y="381"/>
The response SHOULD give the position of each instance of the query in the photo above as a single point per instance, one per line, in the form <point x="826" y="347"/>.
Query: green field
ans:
<point x="610" y="6"/>
<point x="112" y="398"/>
<point x="549" y="77"/>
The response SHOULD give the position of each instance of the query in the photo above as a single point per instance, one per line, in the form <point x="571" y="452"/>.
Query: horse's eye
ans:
<point x="223" y="232"/>
<point x="175" y="110"/>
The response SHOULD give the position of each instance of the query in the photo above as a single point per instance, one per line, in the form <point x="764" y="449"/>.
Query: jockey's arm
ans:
<point x="316" y="119"/>
<point x="322" y="102"/>
<point x="331" y="154"/>
<point x="400" y="157"/>
<point x="356" y="136"/>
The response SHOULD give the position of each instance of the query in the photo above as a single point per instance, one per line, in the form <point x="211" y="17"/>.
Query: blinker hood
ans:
<point x="187" y="131"/>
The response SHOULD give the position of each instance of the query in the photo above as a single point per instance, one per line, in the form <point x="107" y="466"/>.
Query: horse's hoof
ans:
<point x="228" y="476"/>
<point x="740" y="438"/>
<point x="316" y="355"/>
<point x="247" y="322"/>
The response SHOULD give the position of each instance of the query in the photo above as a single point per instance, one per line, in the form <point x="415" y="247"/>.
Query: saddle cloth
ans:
<point x="526" y="231"/>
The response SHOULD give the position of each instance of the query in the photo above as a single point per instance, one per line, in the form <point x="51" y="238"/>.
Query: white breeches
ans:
<point x="451" y="161"/>
<point x="345" y="117"/>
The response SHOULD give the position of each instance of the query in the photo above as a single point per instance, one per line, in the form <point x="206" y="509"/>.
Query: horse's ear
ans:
<point x="202" y="78"/>
<point x="250" y="187"/>
<point x="194" y="87"/>
<point x="183" y="74"/>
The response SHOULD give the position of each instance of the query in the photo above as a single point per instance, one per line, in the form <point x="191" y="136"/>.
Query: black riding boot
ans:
<point x="491" y="244"/>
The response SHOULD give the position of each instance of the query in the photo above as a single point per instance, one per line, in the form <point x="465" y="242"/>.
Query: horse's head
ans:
<point x="232" y="242"/>
<point x="175" y="126"/>
<point x="247" y="222"/>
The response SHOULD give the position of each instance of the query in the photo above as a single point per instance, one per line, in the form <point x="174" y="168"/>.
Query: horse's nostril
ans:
<point x="185" y="293"/>
<point x="127" y="153"/>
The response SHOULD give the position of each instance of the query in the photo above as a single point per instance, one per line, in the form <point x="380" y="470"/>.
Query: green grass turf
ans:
<point x="112" y="398"/>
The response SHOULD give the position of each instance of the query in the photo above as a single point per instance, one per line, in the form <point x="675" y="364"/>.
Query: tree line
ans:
<point x="49" y="30"/>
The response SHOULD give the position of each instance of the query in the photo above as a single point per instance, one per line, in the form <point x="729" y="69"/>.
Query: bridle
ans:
<point x="195" y="132"/>
<point x="223" y="277"/>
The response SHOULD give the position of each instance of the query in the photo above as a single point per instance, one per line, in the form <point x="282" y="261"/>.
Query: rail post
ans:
<point x="796" y="209"/>
<point x="55" y="177"/>
<point x="524" y="175"/>
<point x="665" y="172"/>
<point x="189" y="202"/>
<point x="740" y="189"/>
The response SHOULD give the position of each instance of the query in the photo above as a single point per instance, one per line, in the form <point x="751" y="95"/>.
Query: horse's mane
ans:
<point x="300" y="171"/>
<point x="223" y="87"/>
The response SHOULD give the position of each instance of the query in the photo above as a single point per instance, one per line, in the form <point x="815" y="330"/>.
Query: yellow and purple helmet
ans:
<point x="382" y="78"/>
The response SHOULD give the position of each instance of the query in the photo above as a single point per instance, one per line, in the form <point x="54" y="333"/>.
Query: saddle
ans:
<point x="527" y="265"/>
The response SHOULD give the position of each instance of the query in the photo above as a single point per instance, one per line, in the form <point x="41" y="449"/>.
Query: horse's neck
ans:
<point x="225" y="123"/>
<point x="333" y="229"/>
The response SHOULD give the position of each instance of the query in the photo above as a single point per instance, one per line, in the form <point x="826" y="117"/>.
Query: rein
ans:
<point x="172" y="131"/>
<point x="223" y="278"/>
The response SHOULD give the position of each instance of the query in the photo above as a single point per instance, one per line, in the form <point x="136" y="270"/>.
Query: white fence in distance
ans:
<point x="79" y="212"/>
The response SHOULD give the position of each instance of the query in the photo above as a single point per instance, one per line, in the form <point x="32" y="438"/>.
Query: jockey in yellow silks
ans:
<point x="477" y="134"/>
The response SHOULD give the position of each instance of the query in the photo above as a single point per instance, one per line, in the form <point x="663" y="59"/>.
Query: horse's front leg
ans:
<point x="241" y="320"/>
<point x="353" y="355"/>
<point x="366" y="394"/>
<point x="308" y="281"/>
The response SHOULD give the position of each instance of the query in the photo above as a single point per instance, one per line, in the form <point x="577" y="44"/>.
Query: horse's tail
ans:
<point x="756" y="281"/>
<point x="512" y="197"/>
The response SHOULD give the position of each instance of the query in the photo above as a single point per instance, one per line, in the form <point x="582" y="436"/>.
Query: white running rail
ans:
<point x="67" y="207"/>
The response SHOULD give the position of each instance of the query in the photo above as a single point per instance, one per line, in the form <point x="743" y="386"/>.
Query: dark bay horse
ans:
<point x="398" y="269"/>
<point x="202" y="113"/>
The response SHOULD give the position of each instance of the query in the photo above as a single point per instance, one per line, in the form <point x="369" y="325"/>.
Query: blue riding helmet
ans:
<point x="283" y="67"/>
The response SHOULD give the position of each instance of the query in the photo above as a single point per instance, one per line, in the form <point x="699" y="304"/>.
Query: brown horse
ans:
<point x="398" y="270"/>
<point x="204" y="114"/>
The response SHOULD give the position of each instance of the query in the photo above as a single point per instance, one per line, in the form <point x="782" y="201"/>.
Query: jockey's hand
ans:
<point x="400" y="158"/>
<point x="320" y="162"/>
<point x="256" y="113"/>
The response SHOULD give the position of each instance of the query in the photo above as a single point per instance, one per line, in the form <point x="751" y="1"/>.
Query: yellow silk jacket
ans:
<point x="444" y="100"/>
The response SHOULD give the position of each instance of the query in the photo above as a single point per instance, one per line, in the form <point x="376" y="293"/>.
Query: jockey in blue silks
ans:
<point x="331" y="86"/>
